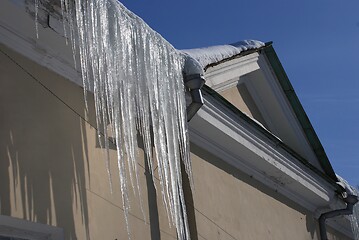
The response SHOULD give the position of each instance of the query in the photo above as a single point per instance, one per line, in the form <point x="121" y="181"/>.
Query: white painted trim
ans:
<point x="19" y="228"/>
<point x="42" y="51"/>
<point x="226" y="75"/>
<point x="287" y="109"/>
<point x="244" y="146"/>
<point x="227" y="136"/>
<point x="257" y="100"/>
<point x="48" y="60"/>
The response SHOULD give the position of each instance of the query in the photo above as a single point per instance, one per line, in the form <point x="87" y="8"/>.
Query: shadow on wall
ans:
<point x="255" y="204"/>
<point x="42" y="155"/>
<point x="45" y="163"/>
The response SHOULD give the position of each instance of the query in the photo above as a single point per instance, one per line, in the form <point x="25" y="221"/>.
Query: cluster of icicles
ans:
<point x="136" y="78"/>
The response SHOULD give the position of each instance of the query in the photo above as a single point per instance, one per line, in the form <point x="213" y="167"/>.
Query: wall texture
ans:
<point x="52" y="167"/>
<point x="52" y="171"/>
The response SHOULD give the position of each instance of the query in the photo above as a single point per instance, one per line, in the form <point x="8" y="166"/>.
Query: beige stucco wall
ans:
<point x="240" y="97"/>
<point x="52" y="171"/>
<point x="231" y="205"/>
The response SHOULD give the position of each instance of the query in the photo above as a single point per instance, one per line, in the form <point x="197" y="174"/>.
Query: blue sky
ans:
<point x="316" y="41"/>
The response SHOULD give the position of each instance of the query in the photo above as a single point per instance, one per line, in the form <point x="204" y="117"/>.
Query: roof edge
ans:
<point x="241" y="54"/>
<point x="269" y="135"/>
<point x="299" y="111"/>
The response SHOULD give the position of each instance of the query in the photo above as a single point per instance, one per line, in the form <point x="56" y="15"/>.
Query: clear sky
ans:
<point x="316" y="41"/>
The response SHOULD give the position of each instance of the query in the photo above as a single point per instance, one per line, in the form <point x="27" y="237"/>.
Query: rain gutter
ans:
<point x="350" y="201"/>
<point x="193" y="77"/>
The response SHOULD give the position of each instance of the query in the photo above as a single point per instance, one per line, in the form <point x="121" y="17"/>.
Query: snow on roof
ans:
<point x="350" y="189"/>
<point x="214" y="54"/>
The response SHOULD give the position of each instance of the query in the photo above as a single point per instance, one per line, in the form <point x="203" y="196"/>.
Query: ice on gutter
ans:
<point x="214" y="54"/>
<point x="354" y="218"/>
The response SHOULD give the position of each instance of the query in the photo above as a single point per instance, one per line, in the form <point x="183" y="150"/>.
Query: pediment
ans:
<point x="250" y="84"/>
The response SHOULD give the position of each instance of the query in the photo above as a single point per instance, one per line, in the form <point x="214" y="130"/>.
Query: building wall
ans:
<point x="52" y="172"/>
<point x="232" y="205"/>
<point x="241" y="99"/>
<point x="52" y="168"/>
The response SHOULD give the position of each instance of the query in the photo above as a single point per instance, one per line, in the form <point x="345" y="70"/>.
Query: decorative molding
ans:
<point x="244" y="145"/>
<point x="232" y="139"/>
<point x="287" y="110"/>
<point x="226" y="75"/>
<point x="19" y="228"/>
<point x="258" y="101"/>
<point x="42" y="51"/>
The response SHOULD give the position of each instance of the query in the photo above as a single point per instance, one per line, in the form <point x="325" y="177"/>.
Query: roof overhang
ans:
<point x="225" y="73"/>
<point x="17" y="31"/>
<point x="218" y="127"/>
<point x="233" y="137"/>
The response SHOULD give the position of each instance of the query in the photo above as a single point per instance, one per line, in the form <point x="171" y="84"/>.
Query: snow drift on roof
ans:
<point x="214" y="54"/>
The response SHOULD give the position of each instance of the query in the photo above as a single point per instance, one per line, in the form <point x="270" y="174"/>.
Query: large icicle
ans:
<point x="136" y="78"/>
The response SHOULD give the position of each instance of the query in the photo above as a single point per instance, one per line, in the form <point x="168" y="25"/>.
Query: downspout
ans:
<point x="194" y="81"/>
<point x="350" y="200"/>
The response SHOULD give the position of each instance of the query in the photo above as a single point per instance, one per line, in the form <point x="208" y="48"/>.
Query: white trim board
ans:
<point x="19" y="228"/>
<point x="226" y="75"/>
<point x="227" y="136"/>
<point x="17" y="32"/>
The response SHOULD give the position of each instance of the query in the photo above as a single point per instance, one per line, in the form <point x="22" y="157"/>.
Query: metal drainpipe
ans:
<point x="350" y="200"/>
<point x="194" y="81"/>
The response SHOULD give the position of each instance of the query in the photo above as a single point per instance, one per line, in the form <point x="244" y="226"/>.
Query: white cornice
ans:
<point x="19" y="228"/>
<point x="17" y="32"/>
<point x="226" y="75"/>
<point x="44" y="57"/>
<point x="234" y="140"/>
<point x="287" y="110"/>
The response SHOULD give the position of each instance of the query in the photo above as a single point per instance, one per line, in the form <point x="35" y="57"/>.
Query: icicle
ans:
<point x="36" y="3"/>
<point x="62" y="4"/>
<point x="136" y="78"/>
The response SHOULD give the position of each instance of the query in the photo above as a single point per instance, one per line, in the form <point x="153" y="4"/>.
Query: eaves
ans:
<point x="280" y="74"/>
<point x="229" y="134"/>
